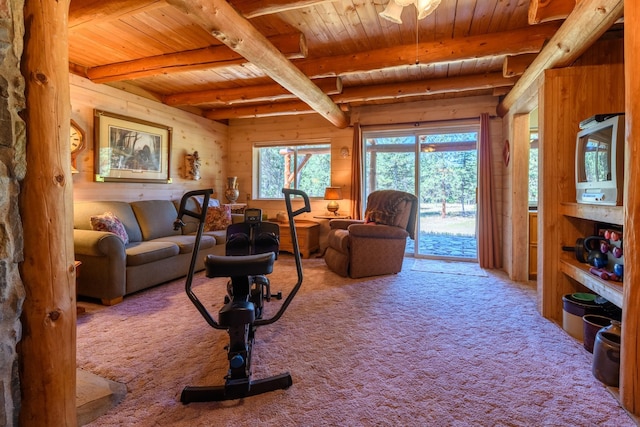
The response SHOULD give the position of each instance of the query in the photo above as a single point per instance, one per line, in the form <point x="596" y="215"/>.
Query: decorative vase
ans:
<point x="232" y="192"/>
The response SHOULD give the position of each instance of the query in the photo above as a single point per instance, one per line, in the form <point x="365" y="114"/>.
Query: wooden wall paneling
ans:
<point x="520" y="196"/>
<point x="243" y="133"/>
<point x="629" y="378"/>
<point x="190" y="133"/>
<point x="507" y="204"/>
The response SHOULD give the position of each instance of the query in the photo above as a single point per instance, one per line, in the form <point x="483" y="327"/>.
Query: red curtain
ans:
<point x="356" y="173"/>
<point x="488" y="233"/>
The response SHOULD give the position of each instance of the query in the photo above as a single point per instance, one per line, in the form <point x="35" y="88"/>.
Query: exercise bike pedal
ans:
<point x="268" y="295"/>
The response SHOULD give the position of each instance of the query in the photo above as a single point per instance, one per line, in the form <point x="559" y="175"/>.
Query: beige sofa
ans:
<point x="156" y="253"/>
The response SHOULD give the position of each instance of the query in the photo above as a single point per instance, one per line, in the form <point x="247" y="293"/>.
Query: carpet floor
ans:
<point x="420" y="348"/>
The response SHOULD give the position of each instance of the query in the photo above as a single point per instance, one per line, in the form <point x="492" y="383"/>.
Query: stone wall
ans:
<point x="12" y="171"/>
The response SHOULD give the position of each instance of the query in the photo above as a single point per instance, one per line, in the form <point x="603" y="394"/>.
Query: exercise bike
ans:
<point x="251" y="250"/>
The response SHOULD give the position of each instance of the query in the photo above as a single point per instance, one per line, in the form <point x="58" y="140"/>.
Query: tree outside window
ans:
<point x="305" y="167"/>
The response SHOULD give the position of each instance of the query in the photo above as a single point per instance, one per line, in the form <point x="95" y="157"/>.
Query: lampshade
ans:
<point x="394" y="9"/>
<point x="333" y="194"/>
<point x="426" y="7"/>
<point x="392" y="12"/>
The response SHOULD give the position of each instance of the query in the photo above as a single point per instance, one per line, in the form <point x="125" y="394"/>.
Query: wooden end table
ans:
<point x="308" y="233"/>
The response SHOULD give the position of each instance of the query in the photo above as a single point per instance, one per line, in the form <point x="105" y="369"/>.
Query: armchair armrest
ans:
<point x="377" y="232"/>
<point x="343" y="224"/>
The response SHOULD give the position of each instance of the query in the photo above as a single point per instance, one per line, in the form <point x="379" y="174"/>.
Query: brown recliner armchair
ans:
<point x="375" y="245"/>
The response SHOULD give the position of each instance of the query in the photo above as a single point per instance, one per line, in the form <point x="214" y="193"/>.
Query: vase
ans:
<point x="232" y="192"/>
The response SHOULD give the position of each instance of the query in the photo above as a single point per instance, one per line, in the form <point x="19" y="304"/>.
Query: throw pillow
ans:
<point x="218" y="218"/>
<point x="109" y="222"/>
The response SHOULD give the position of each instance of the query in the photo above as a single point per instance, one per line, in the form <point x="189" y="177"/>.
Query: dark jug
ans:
<point x="606" y="358"/>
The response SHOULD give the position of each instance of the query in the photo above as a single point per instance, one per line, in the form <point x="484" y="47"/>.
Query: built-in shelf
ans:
<point x="578" y="271"/>
<point x="599" y="213"/>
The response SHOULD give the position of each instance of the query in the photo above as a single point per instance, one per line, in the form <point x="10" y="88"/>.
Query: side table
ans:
<point x="308" y="237"/>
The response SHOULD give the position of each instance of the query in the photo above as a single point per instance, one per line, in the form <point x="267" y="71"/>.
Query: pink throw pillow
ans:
<point x="218" y="218"/>
<point x="109" y="222"/>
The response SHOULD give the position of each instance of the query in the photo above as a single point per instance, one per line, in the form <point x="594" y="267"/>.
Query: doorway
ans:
<point x="438" y="163"/>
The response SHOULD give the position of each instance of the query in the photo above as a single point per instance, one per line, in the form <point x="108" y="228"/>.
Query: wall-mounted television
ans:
<point x="600" y="160"/>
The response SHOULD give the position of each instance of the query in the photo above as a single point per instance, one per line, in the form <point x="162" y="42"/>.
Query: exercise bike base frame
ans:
<point x="236" y="391"/>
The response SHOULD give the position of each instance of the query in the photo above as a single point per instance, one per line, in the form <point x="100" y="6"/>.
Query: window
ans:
<point x="305" y="167"/>
<point x="438" y="162"/>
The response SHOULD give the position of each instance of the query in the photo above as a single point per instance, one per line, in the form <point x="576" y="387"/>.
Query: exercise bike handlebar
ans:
<point x="202" y="216"/>
<point x="288" y="193"/>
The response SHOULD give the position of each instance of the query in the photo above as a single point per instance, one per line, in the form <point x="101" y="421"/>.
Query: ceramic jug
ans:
<point x="606" y="358"/>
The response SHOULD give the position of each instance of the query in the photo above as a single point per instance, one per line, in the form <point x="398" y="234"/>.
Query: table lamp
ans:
<point x="332" y="194"/>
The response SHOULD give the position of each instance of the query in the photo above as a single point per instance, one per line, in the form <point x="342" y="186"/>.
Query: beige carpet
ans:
<point x="412" y="349"/>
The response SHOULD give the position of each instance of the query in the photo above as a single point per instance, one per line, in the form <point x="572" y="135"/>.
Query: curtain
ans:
<point x="488" y="233"/>
<point x="356" y="173"/>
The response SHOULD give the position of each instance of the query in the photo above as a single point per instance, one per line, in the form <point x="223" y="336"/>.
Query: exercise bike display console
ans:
<point x="251" y="251"/>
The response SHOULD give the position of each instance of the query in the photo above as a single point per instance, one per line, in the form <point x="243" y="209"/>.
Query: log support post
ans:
<point x="48" y="346"/>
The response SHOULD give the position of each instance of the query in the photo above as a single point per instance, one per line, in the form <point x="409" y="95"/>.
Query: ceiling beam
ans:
<point x="589" y="20"/>
<point x="291" y="45"/>
<point x="519" y="41"/>
<point x="223" y="22"/>
<point x="550" y="10"/>
<point x="514" y="42"/>
<point x="370" y="93"/>
<point x="252" y="9"/>
<point x="254" y="94"/>
<point x="517" y="64"/>
<point x="264" y="110"/>
<point x="421" y="88"/>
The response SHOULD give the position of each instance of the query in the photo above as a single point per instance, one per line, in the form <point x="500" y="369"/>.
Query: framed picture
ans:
<point x="131" y="150"/>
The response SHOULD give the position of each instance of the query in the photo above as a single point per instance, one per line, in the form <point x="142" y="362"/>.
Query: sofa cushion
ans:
<point x="145" y="252"/>
<point x="83" y="211"/>
<point x="109" y="222"/>
<point x="156" y="218"/>
<point x="193" y="204"/>
<point x="219" y="235"/>
<point x="218" y="218"/>
<point x="187" y="243"/>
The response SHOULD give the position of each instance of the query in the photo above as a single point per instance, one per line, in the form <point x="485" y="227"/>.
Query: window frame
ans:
<point x="282" y="144"/>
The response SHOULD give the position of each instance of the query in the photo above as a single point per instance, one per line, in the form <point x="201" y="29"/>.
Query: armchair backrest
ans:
<point x="393" y="207"/>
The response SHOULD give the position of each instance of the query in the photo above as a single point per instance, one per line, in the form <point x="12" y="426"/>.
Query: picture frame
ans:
<point x="131" y="150"/>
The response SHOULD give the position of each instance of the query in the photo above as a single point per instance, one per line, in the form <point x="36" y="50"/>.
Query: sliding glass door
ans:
<point x="437" y="163"/>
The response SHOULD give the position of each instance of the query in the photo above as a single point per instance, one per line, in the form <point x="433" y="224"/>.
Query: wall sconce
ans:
<point x="192" y="166"/>
<point x="344" y="152"/>
<point x="332" y="194"/>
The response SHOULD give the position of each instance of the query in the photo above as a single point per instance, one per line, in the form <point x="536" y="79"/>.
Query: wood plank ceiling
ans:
<point x="249" y="58"/>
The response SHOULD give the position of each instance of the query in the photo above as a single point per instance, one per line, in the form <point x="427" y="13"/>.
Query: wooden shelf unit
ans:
<point x="579" y="272"/>
<point x="608" y="214"/>
<point x="566" y="96"/>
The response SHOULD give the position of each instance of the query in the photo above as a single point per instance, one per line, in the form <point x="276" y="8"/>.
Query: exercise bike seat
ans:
<point x="242" y="265"/>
